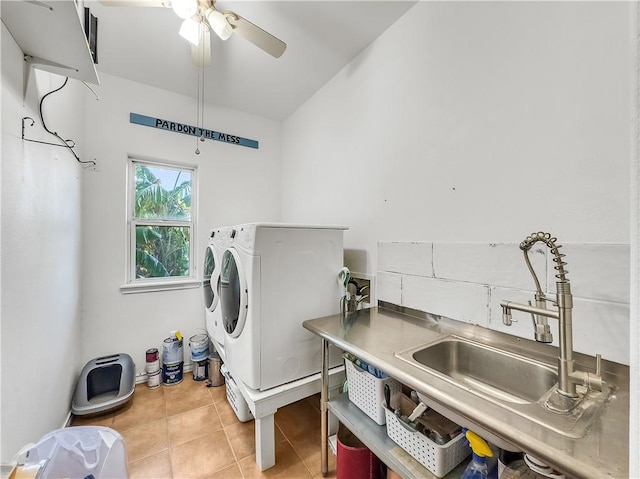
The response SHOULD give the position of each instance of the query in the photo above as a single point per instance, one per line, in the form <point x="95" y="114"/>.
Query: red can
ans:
<point x="152" y="355"/>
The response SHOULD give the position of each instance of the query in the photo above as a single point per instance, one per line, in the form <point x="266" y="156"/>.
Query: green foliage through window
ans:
<point x="155" y="201"/>
<point x="162" y="216"/>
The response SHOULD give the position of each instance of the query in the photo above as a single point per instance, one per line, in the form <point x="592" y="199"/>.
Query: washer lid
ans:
<point x="233" y="293"/>
<point x="210" y="293"/>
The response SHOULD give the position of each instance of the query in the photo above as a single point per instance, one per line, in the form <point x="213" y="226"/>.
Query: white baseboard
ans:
<point x="67" y="421"/>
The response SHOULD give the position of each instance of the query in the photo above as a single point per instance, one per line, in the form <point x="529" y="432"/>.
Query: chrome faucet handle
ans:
<point x="590" y="380"/>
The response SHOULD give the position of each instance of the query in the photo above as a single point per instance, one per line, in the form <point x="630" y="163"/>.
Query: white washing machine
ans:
<point x="219" y="240"/>
<point x="274" y="277"/>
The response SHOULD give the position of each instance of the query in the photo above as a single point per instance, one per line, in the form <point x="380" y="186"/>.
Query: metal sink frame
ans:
<point x="513" y="381"/>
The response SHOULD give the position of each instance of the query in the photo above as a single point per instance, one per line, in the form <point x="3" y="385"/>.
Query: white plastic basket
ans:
<point x="235" y="398"/>
<point x="440" y="460"/>
<point x="367" y="391"/>
<point x="80" y="451"/>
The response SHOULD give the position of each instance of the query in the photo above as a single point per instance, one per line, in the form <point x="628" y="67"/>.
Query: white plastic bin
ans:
<point x="235" y="398"/>
<point x="79" y="452"/>
<point x="439" y="459"/>
<point x="367" y="391"/>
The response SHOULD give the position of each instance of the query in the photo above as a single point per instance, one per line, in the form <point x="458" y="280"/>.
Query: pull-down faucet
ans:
<point x="568" y="377"/>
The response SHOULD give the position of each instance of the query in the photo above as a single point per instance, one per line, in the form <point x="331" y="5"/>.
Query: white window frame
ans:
<point x="142" y="285"/>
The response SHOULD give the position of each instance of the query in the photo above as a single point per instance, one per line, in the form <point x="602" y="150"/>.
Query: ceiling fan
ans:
<point x="200" y="17"/>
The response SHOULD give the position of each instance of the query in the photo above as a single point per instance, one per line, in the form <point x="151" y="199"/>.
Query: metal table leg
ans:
<point x="324" y="414"/>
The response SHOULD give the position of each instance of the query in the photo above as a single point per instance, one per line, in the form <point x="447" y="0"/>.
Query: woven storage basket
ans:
<point x="440" y="460"/>
<point x="367" y="391"/>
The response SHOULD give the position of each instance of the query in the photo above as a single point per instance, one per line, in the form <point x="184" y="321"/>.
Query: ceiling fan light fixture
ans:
<point x="185" y="8"/>
<point x="218" y="23"/>
<point x="190" y="31"/>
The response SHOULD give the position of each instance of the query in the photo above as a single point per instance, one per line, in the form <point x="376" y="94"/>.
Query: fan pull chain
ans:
<point x="198" y="112"/>
<point x="200" y="92"/>
<point x="203" y="83"/>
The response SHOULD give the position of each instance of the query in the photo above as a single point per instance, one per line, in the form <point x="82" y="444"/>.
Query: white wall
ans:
<point x="634" y="336"/>
<point x="236" y="184"/>
<point x="41" y="232"/>
<point x="477" y="122"/>
<point x="471" y="121"/>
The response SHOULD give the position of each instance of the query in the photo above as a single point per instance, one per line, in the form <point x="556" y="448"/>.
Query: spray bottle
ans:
<point x="477" y="468"/>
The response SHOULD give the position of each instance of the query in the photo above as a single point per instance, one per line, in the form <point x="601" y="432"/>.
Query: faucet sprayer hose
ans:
<point x="533" y="273"/>
<point x="550" y="241"/>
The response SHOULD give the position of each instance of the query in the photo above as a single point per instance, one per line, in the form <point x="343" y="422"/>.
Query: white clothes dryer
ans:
<point x="219" y="240"/>
<point x="273" y="277"/>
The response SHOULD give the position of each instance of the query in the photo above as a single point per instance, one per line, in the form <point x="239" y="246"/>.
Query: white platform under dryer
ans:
<point x="273" y="277"/>
<point x="219" y="240"/>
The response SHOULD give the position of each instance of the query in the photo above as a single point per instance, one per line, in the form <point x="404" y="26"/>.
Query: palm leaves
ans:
<point x="162" y="246"/>
<point x="153" y="201"/>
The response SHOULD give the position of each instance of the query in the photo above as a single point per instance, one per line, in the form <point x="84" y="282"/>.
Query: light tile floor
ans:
<point x="188" y="430"/>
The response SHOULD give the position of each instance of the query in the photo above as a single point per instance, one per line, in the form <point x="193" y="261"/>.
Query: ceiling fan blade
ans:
<point x="136" y="3"/>
<point x="256" y="35"/>
<point x="201" y="54"/>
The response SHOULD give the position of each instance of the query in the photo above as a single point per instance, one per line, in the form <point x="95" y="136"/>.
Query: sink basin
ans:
<point x="515" y="382"/>
<point x="487" y="370"/>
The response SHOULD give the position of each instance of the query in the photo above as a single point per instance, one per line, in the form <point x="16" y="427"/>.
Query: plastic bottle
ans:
<point x="477" y="468"/>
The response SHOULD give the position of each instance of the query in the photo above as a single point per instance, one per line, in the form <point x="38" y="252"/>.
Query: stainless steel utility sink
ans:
<point x="489" y="371"/>
<point x="518" y="383"/>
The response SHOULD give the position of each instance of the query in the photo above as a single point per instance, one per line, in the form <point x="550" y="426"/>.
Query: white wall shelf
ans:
<point x="52" y="38"/>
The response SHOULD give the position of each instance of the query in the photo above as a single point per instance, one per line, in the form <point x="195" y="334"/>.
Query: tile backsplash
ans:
<point x="467" y="281"/>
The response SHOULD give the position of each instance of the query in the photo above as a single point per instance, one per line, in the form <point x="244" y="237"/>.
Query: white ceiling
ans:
<point x="142" y="44"/>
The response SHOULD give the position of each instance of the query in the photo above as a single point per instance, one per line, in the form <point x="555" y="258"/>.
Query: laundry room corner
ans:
<point x="229" y="177"/>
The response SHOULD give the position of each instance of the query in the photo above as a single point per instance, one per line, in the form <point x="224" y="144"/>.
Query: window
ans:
<point x="161" y="224"/>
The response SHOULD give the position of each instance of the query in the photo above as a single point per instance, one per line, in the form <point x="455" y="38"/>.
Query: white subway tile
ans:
<point x="596" y="271"/>
<point x="456" y="300"/>
<point x="500" y="264"/>
<point x="405" y="257"/>
<point x="601" y="327"/>
<point x="522" y="326"/>
<point x="390" y="287"/>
